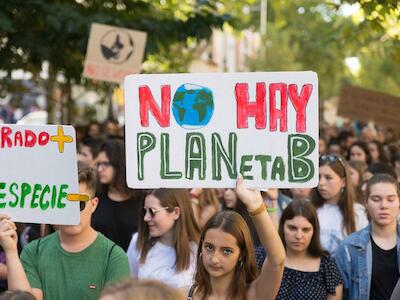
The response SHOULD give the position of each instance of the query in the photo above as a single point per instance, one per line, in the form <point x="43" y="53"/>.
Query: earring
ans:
<point x="240" y="264"/>
<point x="201" y="254"/>
<point x="342" y="190"/>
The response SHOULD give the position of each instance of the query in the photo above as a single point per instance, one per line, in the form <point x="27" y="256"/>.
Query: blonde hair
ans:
<point x="140" y="290"/>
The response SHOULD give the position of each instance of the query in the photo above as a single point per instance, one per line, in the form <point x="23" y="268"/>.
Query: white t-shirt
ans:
<point x="331" y="224"/>
<point x="160" y="264"/>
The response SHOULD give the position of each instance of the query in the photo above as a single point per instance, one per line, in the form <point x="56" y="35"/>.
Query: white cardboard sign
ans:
<point x="38" y="170"/>
<point x="203" y="130"/>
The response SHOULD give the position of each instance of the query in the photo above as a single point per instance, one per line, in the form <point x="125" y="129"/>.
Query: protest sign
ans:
<point x="203" y="130"/>
<point x="113" y="52"/>
<point x="38" y="171"/>
<point x="370" y="106"/>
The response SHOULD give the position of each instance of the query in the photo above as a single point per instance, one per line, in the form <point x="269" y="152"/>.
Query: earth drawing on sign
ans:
<point x="193" y="106"/>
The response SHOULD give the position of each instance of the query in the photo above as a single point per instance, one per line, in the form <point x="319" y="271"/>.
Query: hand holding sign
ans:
<point x="8" y="234"/>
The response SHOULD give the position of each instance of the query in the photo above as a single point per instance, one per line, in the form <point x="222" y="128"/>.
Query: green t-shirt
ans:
<point x="80" y="276"/>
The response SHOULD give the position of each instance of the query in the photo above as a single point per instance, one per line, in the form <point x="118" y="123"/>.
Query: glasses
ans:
<point x="153" y="211"/>
<point x="331" y="158"/>
<point x="82" y="205"/>
<point x="103" y="164"/>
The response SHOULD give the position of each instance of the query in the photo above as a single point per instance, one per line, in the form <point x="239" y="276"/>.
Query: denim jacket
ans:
<point x="354" y="259"/>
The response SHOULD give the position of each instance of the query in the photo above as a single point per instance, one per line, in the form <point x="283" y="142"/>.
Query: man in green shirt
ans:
<point x="75" y="262"/>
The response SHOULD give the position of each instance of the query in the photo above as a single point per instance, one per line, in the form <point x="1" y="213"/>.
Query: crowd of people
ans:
<point x="339" y="240"/>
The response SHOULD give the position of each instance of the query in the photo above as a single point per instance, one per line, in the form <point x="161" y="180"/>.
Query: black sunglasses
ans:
<point x="153" y="211"/>
<point x="331" y="158"/>
<point x="82" y="205"/>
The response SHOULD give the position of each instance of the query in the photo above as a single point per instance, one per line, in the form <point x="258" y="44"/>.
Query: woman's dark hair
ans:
<point x="382" y="168"/>
<point x="382" y="154"/>
<point x="115" y="152"/>
<point x="347" y="198"/>
<point x="246" y="272"/>
<point x="381" y="178"/>
<point x="364" y="147"/>
<point x="304" y="209"/>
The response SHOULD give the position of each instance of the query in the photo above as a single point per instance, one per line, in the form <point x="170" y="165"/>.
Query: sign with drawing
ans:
<point x="38" y="171"/>
<point x="202" y="130"/>
<point x="113" y="53"/>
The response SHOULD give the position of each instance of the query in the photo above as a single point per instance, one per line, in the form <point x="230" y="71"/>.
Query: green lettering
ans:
<point x="53" y="196"/>
<point x="45" y="190"/>
<point x="263" y="159"/>
<point x="146" y="142"/>
<point x="43" y="205"/>
<point x="301" y="169"/>
<point x="218" y="152"/>
<point x="25" y="191"/>
<point x="2" y="195"/>
<point x="195" y="157"/>
<point x="165" y="173"/>
<point x="246" y="168"/>
<point x="35" y="196"/>
<point x="278" y="168"/>
<point x="62" y="195"/>
<point x="14" y="193"/>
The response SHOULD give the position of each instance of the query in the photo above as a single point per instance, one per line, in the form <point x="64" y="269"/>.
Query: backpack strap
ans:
<point x="191" y="291"/>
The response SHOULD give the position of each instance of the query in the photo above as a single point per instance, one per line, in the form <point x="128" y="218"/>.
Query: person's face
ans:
<point x="329" y="184"/>
<point x="94" y="131"/>
<point x="160" y="225"/>
<point x="85" y="214"/>
<point x="300" y="193"/>
<point x="334" y="149"/>
<point x="104" y="168"/>
<point x="354" y="176"/>
<point x="366" y="176"/>
<point x="357" y="153"/>
<point x="220" y="253"/>
<point x="322" y="147"/>
<point x="86" y="156"/>
<point x="373" y="150"/>
<point x="383" y="204"/>
<point x="298" y="233"/>
<point x="230" y="198"/>
<point x="112" y="129"/>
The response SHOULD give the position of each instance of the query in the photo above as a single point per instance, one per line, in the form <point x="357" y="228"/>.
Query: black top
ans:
<point x="310" y="285"/>
<point x="385" y="272"/>
<point x="117" y="220"/>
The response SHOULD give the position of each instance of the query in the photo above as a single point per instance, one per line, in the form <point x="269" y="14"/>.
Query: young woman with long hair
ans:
<point x="334" y="198"/>
<point x="205" y="204"/>
<point x="226" y="267"/>
<point x="117" y="213"/>
<point x="164" y="248"/>
<point x="357" y="169"/>
<point x="309" y="272"/>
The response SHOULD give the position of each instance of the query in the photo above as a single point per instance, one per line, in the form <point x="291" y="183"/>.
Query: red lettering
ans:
<point x="43" y="138"/>
<point x="5" y="132"/>
<point x="30" y="138"/>
<point x="18" y="138"/>
<point x="245" y="109"/>
<point x="275" y="113"/>
<point x="147" y="103"/>
<point x="300" y="104"/>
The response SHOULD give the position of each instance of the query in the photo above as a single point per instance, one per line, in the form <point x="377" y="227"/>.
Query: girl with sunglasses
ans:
<point x="164" y="248"/>
<point x="226" y="267"/>
<point x="117" y="214"/>
<point x="338" y="213"/>
<point x="309" y="271"/>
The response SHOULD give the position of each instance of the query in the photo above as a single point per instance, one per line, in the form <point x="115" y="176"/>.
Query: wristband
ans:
<point x="258" y="211"/>
<point x="272" y="209"/>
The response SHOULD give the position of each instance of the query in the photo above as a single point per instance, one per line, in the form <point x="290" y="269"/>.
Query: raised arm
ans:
<point x="16" y="276"/>
<point x="266" y="286"/>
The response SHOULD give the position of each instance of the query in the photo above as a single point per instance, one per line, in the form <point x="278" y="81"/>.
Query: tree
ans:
<point x="32" y="32"/>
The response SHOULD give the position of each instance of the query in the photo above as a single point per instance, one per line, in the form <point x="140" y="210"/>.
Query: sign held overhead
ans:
<point x="203" y="130"/>
<point x="113" y="52"/>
